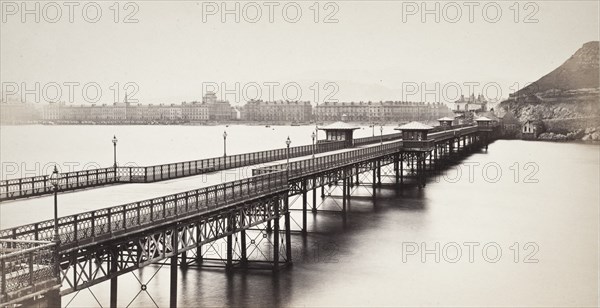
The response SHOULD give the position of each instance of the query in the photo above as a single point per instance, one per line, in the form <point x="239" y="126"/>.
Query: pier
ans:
<point x="85" y="249"/>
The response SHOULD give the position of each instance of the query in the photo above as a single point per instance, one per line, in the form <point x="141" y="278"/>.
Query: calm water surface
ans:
<point x="549" y="208"/>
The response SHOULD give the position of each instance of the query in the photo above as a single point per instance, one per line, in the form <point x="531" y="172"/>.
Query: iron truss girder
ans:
<point x="299" y="185"/>
<point x="91" y="265"/>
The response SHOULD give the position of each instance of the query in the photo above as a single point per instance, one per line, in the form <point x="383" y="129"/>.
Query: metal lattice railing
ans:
<point x="375" y="139"/>
<point x="26" y="267"/>
<point x="454" y="131"/>
<point x="181" y="169"/>
<point x="312" y="165"/>
<point x="85" y="227"/>
<point x="40" y="185"/>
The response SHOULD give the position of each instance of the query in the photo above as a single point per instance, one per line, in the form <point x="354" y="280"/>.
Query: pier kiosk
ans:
<point x="446" y="122"/>
<point x="416" y="147"/>
<point x="339" y="131"/>
<point x="414" y="133"/>
<point x="485" y="126"/>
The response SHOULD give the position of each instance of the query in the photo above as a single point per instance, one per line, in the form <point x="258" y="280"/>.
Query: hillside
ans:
<point x="566" y="100"/>
<point x="580" y="71"/>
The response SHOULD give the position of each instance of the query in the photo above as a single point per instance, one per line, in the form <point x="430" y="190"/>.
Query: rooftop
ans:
<point x="483" y="119"/>
<point x="445" y="119"/>
<point x="414" y="126"/>
<point x="340" y="126"/>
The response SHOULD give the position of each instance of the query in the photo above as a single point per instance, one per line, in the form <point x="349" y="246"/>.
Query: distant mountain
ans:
<point x="566" y="100"/>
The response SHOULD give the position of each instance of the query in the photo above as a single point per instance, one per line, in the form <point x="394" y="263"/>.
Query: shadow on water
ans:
<point x="330" y="238"/>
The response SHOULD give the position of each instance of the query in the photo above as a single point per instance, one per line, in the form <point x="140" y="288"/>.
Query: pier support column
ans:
<point x="314" y="197"/>
<point x="243" y="248"/>
<point x="486" y="141"/>
<point x="435" y="157"/>
<point x="113" y="293"/>
<point x="423" y="169"/>
<point x="199" y="259"/>
<point x="53" y="299"/>
<point x="396" y="175"/>
<point x="288" y="232"/>
<point x="304" y="206"/>
<point x="349" y="188"/>
<point x="174" y="269"/>
<point x="173" y="290"/>
<point x="344" y="191"/>
<point x="184" y="260"/>
<point x="276" y="238"/>
<point x="350" y="181"/>
<point x="379" y="172"/>
<point x="374" y="175"/>
<point x="419" y="171"/>
<point x="430" y="159"/>
<point x="114" y="287"/>
<point x="401" y="169"/>
<point x="323" y="190"/>
<point x="229" y="265"/>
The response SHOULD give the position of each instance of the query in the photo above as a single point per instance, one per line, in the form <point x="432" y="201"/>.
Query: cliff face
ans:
<point x="567" y="100"/>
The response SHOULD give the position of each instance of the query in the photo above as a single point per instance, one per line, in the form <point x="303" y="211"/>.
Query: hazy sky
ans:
<point x="376" y="50"/>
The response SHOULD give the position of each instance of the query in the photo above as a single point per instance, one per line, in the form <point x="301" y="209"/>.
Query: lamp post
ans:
<point x="313" y="135"/>
<point x="114" y="141"/>
<point x="381" y="133"/>
<point x="287" y="164"/>
<point x="54" y="181"/>
<point x="224" y="144"/>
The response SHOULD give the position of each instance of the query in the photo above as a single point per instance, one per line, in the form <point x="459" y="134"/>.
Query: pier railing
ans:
<point x="104" y="223"/>
<point x="40" y="185"/>
<point x="188" y="168"/>
<point x="454" y="131"/>
<point x="312" y="165"/>
<point x="375" y="139"/>
<point x="445" y="128"/>
<point x="26" y="268"/>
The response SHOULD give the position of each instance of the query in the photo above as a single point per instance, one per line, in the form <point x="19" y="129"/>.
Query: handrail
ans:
<point x="311" y="165"/>
<point x="28" y="267"/>
<point x="85" y="227"/>
<point x="195" y="167"/>
<point x="40" y="185"/>
<point x="454" y="131"/>
<point x="380" y="138"/>
<point x="452" y="127"/>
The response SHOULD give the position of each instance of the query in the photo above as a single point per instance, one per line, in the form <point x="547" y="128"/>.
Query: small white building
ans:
<point x="530" y="129"/>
